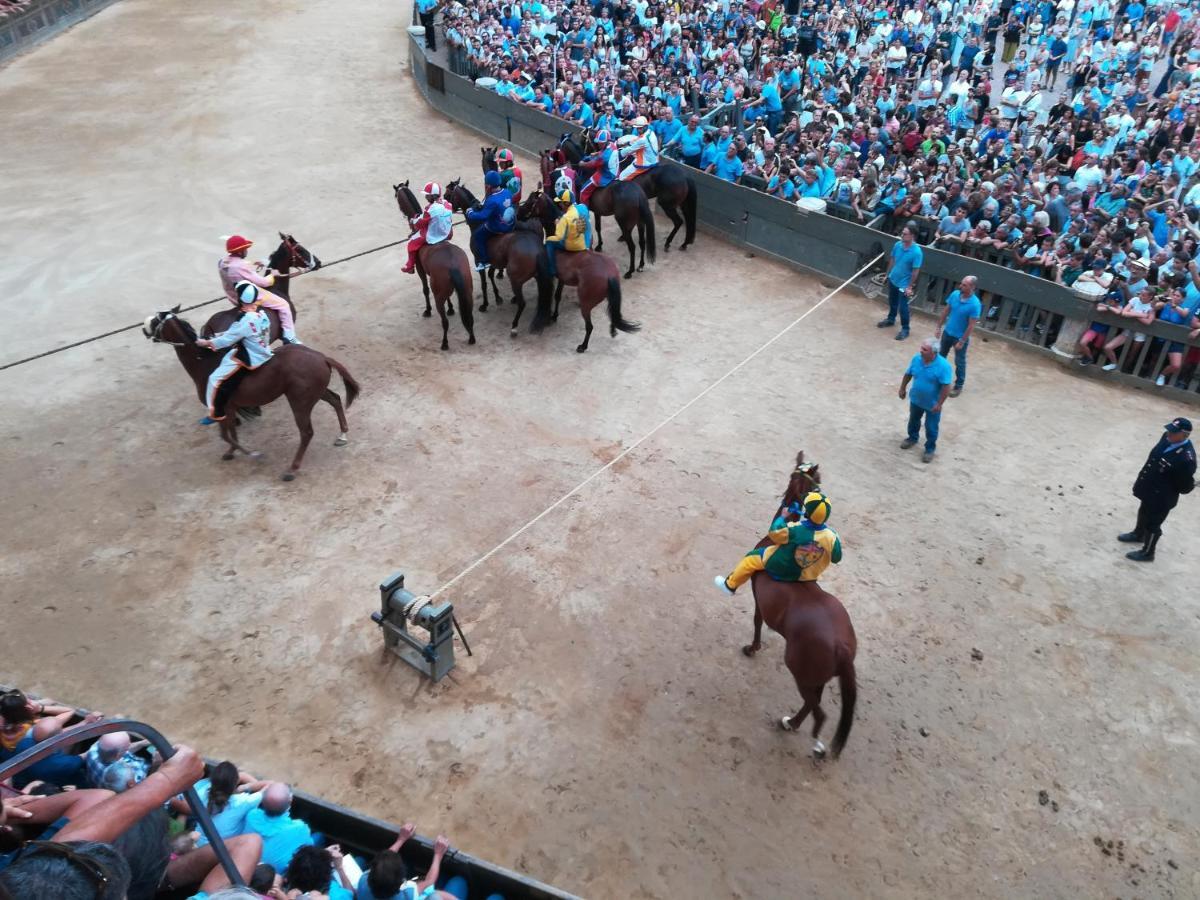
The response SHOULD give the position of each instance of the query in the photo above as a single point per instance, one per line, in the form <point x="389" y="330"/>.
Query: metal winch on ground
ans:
<point x="402" y="611"/>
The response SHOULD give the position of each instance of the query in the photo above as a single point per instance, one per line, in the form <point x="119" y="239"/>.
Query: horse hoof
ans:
<point x="786" y="724"/>
<point x="483" y="308"/>
<point x="255" y="454"/>
<point x="554" y="318"/>
<point x="227" y="456"/>
<point x="629" y="274"/>
<point x="445" y="346"/>
<point x="749" y="650"/>
<point x="512" y="332"/>
<point x="342" y="441"/>
<point x="288" y="476"/>
<point x="818" y="750"/>
<point x="427" y="314"/>
<point x="472" y="340"/>
<point x="581" y="349"/>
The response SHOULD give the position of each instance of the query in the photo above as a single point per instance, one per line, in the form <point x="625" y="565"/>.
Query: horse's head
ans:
<point x="406" y="200"/>
<point x="529" y="206"/>
<point x="291" y="254"/>
<point x="459" y="196"/>
<point x="568" y="149"/>
<point x="167" y="328"/>
<point x="488" y="160"/>
<point x="805" y="478"/>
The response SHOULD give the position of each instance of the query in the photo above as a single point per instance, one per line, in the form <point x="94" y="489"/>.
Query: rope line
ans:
<point x="645" y="437"/>
<point x="108" y="334"/>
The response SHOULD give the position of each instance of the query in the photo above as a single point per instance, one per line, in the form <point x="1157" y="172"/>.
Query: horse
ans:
<point x="443" y="265"/>
<point x="488" y="159"/>
<point x="300" y="373"/>
<point x="290" y="254"/>
<point x="815" y="626"/>
<point x="670" y="185"/>
<point x="594" y="276"/>
<point x="622" y="200"/>
<point x="516" y="253"/>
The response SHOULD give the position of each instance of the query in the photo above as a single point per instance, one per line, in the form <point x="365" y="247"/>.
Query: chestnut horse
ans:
<point x="289" y="255"/>
<point x="594" y="276"/>
<point x="622" y="200"/>
<point x="816" y="627"/>
<point x="516" y="253"/>
<point x="300" y="373"/>
<point x="445" y="266"/>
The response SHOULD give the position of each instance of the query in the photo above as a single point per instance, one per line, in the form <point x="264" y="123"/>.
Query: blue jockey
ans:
<point x="496" y="215"/>
<point x="250" y="338"/>
<point x="604" y="165"/>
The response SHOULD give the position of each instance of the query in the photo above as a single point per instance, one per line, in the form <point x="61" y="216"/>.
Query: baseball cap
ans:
<point x="1179" y="425"/>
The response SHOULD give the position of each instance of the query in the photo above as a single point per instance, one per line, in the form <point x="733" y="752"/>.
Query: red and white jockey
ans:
<point x="433" y="226"/>
<point x="234" y="267"/>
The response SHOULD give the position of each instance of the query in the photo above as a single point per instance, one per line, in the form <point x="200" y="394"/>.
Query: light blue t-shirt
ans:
<point x="928" y="380"/>
<point x="962" y="313"/>
<point x="907" y="261"/>
<point x="231" y="820"/>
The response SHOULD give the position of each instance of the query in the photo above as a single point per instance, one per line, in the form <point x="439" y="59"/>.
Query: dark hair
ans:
<point x="263" y="878"/>
<point x="222" y="783"/>
<point x="46" y="873"/>
<point x="387" y="873"/>
<point x="310" y="869"/>
<point x="14" y="707"/>
<point x="144" y="848"/>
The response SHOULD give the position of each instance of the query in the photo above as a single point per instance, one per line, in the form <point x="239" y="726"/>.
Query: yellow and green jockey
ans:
<point x="799" y="551"/>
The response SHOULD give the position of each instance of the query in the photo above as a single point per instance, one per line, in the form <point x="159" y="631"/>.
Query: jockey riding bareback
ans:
<point x="574" y="231"/>
<point x="234" y="267"/>
<point x="604" y="165"/>
<point x="496" y="215"/>
<point x="642" y="151"/>
<point x="250" y="338"/>
<point x="510" y="174"/>
<point x="433" y="226"/>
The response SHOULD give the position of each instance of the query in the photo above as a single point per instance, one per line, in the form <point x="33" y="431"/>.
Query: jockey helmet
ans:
<point x="504" y="155"/>
<point x="564" y="197"/>
<point x="236" y="242"/>
<point x="491" y="179"/>
<point x="432" y="189"/>
<point x="640" y="122"/>
<point x="247" y="293"/>
<point x="603" y="136"/>
<point x="817" y="508"/>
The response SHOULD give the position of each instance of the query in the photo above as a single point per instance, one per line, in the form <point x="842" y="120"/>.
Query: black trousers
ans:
<point x="427" y="23"/>
<point x="1150" y="517"/>
<point x="693" y="161"/>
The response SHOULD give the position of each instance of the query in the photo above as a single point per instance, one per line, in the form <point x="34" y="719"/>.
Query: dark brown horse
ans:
<point x="300" y="373"/>
<point x="444" y="266"/>
<point x="516" y="253"/>
<point x="594" y="276"/>
<point x="624" y="201"/>
<point x="670" y="184"/>
<point x="820" y="638"/>
<point x="289" y="255"/>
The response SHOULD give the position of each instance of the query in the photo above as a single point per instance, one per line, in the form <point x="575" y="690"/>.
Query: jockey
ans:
<point x="496" y="214"/>
<point x="233" y="268"/>
<point x="643" y="149"/>
<point x="603" y="164"/>
<point x="510" y="174"/>
<point x="574" y="232"/>
<point x="252" y="335"/>
<point x="433" y="226"/>
<point x="799" y="551"/>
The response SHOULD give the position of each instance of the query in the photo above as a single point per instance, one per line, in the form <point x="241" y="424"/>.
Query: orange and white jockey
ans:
<point x="234" y="267"/>
<point x="510" y="174"/>
<point x="642" y="151"/>
<point x="433" y="226"/>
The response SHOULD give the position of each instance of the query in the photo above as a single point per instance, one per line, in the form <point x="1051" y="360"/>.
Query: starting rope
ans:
<point x="649" y="434"/>
<point x="115" y="331"/>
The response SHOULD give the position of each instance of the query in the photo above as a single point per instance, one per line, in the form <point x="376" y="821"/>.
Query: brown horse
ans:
<point x="289" y="255"/>
<point x="594" y="276"/>
<point x="299" y="373"/>
<point x="670" y="184"/>
<point x="443" y="265"/>
<point x="820" y="638"/>
<point x="515" y="253"/>
<point x="624" y="201"/>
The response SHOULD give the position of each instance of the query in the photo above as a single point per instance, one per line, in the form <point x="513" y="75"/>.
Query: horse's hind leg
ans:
<point x="519" y="300"/>
<point x="812" y="704"/>
<point x="676" y="220"/>
<point x="330" y="396"/>
<point x="495" y="287"/>
<point x="627" y="237"/>
<point x="587" y="321"/>
<point x="642" y="244"/>
<point x="557" y="301"/>
<point x="445" y="323"/>
<point x="756" y="645"/>
<point x="425" y="290"/>
<point x="302" y="410"/>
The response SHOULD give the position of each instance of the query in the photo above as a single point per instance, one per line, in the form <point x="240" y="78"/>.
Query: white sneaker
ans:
<point x="482" y="267"/>
<point x="1161" y="380"/>
<point x="722" y="586"/>
<point x="1110" y="367"/>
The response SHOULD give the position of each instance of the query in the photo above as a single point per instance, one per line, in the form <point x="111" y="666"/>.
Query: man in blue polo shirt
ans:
<point x="728" y="165"/>
<point x="690" y="141"/>
<point x="958" y="320"/>
<point x="904" y="266"/>
<point x="930" y="376"/>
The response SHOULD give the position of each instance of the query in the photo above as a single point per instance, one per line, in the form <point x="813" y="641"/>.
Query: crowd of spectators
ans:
<point x="1038" y="134"/>
<point x="111" y="822"/>
<point x="13" y="7"/>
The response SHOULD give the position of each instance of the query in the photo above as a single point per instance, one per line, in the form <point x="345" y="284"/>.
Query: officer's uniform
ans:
<point x="1169" y="471"/>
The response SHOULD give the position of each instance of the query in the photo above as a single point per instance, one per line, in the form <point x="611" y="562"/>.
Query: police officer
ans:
<point x="1169" y="471"/>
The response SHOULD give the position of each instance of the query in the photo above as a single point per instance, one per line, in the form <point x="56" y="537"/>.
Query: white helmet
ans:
<point x="433" y="189"/>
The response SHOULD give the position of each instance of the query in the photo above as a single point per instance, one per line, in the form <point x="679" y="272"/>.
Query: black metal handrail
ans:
<point x="87" y="731"/>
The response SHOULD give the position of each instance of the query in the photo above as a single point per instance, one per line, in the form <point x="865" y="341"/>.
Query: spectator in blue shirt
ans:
<point x="958" y="320"/>
<point x="690" y="141"/>
<point x="930" y="376"/>
<point x="727" y="166"/>
<point x="904" y="267"/>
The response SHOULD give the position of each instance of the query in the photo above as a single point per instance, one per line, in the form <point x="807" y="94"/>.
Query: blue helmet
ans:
<point x="491" y="179"/>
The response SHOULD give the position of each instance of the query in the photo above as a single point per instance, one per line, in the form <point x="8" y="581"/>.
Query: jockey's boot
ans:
<point x="207" y="420"/>
<point x="409" y="268"/>
<point x="722" y="585"/>
<point x="290" y="338"/>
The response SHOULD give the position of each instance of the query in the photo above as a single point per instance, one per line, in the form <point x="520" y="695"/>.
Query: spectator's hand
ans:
<point x="184" y="769"/>
<point x="958" y="346"/>
<point x="92" y="717"/>
<point x="903" y="392"/>
<point x="937" y="408"/>
<point x="407" y="830"/>
<point x="14" y="807"/>
<point x="440" y="845"/>
<point x="335" y="851"/>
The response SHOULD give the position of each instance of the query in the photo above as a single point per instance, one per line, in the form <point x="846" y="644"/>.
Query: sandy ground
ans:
<point x="608" y="736"/>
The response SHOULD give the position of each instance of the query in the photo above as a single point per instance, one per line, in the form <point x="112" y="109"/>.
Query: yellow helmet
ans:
<point x="817" y="508"/>
<point x="564" y="197"/>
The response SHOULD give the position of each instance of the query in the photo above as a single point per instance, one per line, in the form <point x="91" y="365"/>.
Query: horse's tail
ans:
<point x="614" y="306"/>
<point x="849" y="688"/>
<point x="545" y="287"/>
<point x="466" y="315"/>
<point x="647" y="215"/>
<point x="352" y="388"/>
<point x="689" y="211"/>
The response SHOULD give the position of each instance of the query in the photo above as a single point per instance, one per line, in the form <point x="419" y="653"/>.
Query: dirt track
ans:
<point x="608" y="736"/>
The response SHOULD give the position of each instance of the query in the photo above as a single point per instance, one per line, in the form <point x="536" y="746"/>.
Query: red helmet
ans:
<point x="236" y="242"/>
<point x="504" y="156"/>
<point x="432" y="189"/>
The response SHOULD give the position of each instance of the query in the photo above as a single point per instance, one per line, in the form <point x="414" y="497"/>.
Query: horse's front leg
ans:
<point x="424" y="289"/>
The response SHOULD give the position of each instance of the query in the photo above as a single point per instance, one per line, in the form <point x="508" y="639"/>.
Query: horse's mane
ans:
<point x="407" y="192"/>
<point x="188" y="330"/>
<point x="471" y="201"/>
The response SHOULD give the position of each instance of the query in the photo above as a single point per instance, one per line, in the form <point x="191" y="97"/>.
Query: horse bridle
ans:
<point x="160" y="321"/>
